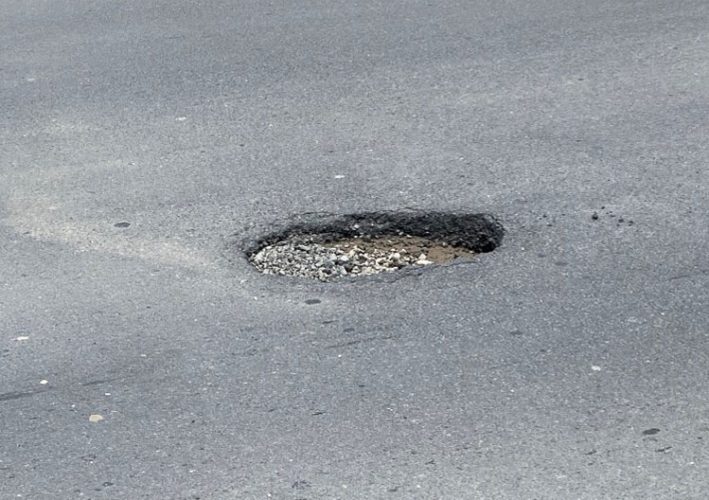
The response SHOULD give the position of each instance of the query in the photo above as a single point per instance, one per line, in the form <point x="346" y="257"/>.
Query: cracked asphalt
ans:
<point x="142" y="357"/>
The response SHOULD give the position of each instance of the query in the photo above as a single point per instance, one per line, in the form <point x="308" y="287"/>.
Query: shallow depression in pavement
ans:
<point x="332" y="247"/>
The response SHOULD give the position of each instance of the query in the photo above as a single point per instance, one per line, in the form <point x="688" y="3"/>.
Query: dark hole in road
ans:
<point x="332" y="247"/>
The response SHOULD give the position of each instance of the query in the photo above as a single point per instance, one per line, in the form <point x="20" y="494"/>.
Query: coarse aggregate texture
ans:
<point x="353" y="257"/>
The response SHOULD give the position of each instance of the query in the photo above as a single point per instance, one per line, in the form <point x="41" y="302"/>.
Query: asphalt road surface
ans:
<point x="141" y="142"/>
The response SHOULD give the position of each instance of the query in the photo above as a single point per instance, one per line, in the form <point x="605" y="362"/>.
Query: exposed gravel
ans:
<point x="326" y="261"/>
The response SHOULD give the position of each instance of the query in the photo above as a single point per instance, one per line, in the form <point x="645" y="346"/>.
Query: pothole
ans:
<point x="328" y="248"/>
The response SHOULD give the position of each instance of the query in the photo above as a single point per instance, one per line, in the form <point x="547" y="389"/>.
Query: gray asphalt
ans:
<point x="572" y="362"/>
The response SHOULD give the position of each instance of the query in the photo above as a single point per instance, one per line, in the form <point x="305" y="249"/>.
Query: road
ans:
<point x="142" y="141"/>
